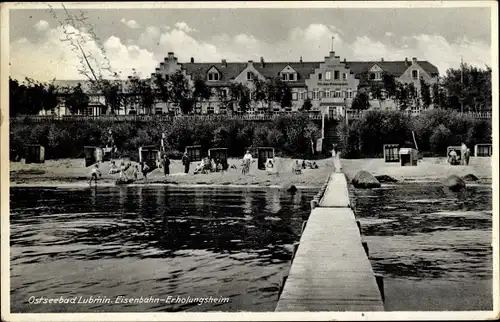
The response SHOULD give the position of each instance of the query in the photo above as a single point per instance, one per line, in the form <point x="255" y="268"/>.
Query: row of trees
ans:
<point x="434" y="131"/>
<point x="466" y="89"/>
<point x="32" y="97"/>
<point x="291" y="136"/>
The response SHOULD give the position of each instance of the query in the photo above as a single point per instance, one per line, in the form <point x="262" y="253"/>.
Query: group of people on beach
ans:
<point x="463" y="159"/>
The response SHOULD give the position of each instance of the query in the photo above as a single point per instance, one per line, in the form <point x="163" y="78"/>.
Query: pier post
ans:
<point x="380" y="283"/>
<point x="304" y="223"/>
<point x="282" y="285"/>
<point x="365" y="246"/>
<point x="359" y="225"/>
<point x="295" y="247"/>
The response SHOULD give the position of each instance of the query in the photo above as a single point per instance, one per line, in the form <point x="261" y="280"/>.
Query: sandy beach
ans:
<point x="68" y="172"/>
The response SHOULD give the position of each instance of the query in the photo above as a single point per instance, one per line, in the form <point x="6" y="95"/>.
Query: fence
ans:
<point x="145" y="118"/>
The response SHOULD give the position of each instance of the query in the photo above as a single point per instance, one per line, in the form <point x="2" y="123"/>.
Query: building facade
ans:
<point x="330" y="85"/>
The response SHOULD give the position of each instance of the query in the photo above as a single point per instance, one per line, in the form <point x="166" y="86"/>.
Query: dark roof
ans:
<point x="304" y="69"/>
<point x="396" y="68"/>
<point x="228" y="71"/>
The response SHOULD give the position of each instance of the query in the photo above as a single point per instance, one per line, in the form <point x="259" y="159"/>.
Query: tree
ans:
<point x="200" y="91"/>
<point x="390" y="84"/>
<point x="361" y="101"/>
<point x="113" y="95"/>
<point x="280" y="93"/>
<point x="402" y="96"/>
<point x="470" y="85"/>
<point x="307" y="105"/>
<point x="425" y="93"/>
<point x="76" y="100"/>
<point x="32" y="97"/>
<point x="180" y="93"/>
<point x="239" y="94"/>
<point x="260" y="90"/>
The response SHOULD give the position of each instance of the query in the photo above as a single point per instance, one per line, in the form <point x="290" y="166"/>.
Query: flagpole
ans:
<point x="462" y="83"/>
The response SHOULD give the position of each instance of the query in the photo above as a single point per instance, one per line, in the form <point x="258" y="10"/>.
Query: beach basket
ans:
<point x="35" y="154"/>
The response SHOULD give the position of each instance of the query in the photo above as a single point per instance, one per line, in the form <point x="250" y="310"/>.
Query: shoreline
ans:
<point x="72" y="173"/>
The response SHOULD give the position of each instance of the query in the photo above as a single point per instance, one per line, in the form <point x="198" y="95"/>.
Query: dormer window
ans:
<point x="414" y="74"/>
<point x="213" y="76"/>
<point x="249" y="75"/>
<point x="288" y="76"/>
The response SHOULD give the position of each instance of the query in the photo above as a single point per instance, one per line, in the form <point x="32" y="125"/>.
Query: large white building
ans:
<point x="331" y="84"/>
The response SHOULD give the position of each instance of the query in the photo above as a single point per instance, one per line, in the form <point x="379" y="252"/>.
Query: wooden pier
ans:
<point x="330" y="268"/>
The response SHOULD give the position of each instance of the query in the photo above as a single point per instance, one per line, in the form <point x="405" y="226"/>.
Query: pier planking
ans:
<point x="330" y="270"/>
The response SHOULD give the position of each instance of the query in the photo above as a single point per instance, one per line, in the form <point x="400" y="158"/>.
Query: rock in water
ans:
<point x="292" y="189"/>
<point x="454" y="183"/>
<point x="364" y="179"/>
<point x="470" y="177"/>
<point x="385" y="178"/>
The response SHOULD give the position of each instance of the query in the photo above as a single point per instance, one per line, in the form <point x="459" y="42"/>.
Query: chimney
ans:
<point x="301" y="59"/>
<point x="250" y="63"/>
<point x="332" y="53"/>
<point x="382" y="59"/>
<point x="170" y="56"/>
<point x="157" y="70"/>
<point x="262" y="63"/>
<point x="192" y="60"/>
<point x="224" y="63"/>
<point x="414" y="60"/>
<point x="345" y="60"/>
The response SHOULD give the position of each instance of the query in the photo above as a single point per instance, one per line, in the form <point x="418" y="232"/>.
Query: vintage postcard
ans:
<point x="249" y="161"/>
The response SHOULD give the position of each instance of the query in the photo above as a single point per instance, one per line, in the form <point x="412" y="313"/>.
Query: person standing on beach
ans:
<point x="145" y="170"/>
<point x="247" y="160"/>
<point x="186" y="162"/>
<point x="334" y="155"/>
<point x="467" y="156"/>
<point x="166" y="165"/>
<point x="464" y="152"/>
<point x="95" y="174"/>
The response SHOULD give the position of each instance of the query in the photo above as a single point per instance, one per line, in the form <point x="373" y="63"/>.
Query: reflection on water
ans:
<point x="152" y="241"/>
<point x="160" y="241"/>
<point x="424" y="231"/>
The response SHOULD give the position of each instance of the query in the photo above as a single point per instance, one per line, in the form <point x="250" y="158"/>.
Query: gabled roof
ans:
<point x="396" y="68"/>
<point x="200" y="70"/>
<point x="272" y="70"/>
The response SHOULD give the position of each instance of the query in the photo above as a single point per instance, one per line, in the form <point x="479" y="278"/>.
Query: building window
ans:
<point x="328" y="75"/>
<point x="294" y="96"/>
<point x="315" y="94"/>
<point x="344" y="76"/>
<point x="249" y="75"/>
<point x="320" y="76"/>
<point x="327" y="93"/>
<point x="337" y="93"/>
<point x="321" y="94"/>
<point x="223" y="92"/>
<point x="291" y="77"/>
<point x="377" y="76"/>
<point x="302" y="95"/>
<point x="213" y="76"/>
<point x="284" y="77"/>
<point x="414" y="74"/>
<point x="336" y="74"/>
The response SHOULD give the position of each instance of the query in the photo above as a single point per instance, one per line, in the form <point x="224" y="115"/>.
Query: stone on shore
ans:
<point x="385" y="178"/>
<point x="470" y="177"/>
<point x="364" y="179"/>
<point x="454" y="183"/>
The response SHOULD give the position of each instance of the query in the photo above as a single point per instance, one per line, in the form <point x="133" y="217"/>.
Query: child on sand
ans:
<point x="145" y="170"/>
<point x="95" y="174"/>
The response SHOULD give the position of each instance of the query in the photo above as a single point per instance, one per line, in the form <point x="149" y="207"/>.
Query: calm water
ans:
<point x="432" y="245"/>
<point x="153" y="241"/>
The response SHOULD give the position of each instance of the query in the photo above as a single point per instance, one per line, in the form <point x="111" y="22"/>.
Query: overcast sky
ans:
<point x="139" y="38"/>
